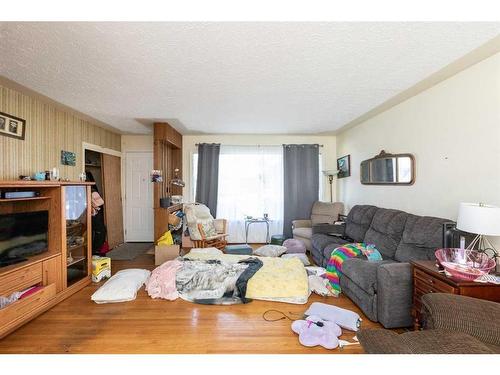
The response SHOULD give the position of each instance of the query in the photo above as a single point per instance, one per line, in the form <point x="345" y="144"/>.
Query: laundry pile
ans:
<point x="203" y="281"/>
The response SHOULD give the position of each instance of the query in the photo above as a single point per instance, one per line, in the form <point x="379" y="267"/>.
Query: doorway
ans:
<point x="139" y="219"/>
<point x="105" y="169"/>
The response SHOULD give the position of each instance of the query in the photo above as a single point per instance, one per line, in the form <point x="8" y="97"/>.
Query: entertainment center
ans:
<point x="45" y="244"/>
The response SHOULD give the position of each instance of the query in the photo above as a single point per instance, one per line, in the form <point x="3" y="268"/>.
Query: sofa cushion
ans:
<point x="320" y="241"/>
<point x="386" y="230"/>
<point x="422" y="235"/>
<point x="363" y="273"/>
<point x="302" y="232"/>
<point x="336" y="242"/>
<point x="358" y="221"/>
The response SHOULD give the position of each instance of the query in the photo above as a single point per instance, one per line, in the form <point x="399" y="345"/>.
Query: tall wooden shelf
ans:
<point x="48" y="270"/>
<point x="167" y="156"/>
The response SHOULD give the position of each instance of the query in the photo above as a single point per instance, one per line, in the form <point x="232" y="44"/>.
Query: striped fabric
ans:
<point x="339" y="255"/>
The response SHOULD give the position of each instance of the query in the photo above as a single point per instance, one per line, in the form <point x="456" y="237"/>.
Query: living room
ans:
<point x="204" y="187"/>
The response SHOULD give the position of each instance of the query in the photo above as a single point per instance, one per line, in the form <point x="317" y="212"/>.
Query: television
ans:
<point x="22" y="235"/>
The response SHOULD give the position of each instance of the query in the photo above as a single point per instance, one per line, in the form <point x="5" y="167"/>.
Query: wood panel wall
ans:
<point x="48" y="131"/>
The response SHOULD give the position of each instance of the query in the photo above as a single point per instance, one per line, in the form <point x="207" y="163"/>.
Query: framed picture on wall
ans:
<point x="344" y="166"/>
<point x="12" y="126"/>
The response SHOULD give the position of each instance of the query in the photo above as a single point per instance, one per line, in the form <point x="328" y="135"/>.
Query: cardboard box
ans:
<point x="165" y="253"/>
<point x="101" y="268"/>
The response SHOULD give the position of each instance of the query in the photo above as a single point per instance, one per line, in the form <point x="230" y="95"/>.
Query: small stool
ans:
<point x="277" y="239"/>
<point x="243" y="249"/>
<point x="294" y="246"/>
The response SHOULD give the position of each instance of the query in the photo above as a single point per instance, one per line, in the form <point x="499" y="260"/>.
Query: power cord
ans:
<point x="283" y="316"/>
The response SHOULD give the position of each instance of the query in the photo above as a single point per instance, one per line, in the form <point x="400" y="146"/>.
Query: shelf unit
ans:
<point x="5" y="200"/>
<point x="167" y="156"/>
<point x="49" y="270"/>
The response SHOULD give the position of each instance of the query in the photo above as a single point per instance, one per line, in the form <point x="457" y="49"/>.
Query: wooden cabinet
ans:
<point x="52" y="272"/>
<point x="167" y="157"/>
<point x="20" y="279"/>
<point x="427" y="279"/>
<point x="69" y="229"/>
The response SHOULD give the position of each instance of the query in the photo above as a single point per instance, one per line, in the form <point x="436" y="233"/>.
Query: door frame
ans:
<point x="109" y="151"/>
<point x="124" y="188"/>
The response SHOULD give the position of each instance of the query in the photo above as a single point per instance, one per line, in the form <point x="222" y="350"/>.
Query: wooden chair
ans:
<point x="204" y="230"/>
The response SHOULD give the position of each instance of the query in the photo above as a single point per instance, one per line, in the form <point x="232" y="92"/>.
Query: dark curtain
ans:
<point x="301" y="183"/>
<point x="207" y="182"/>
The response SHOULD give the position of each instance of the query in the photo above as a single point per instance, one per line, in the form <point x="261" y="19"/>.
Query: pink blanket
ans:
<point x="161" y="283"/>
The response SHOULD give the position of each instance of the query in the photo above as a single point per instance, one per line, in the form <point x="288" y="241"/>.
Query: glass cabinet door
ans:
<point x="77" y="259"/>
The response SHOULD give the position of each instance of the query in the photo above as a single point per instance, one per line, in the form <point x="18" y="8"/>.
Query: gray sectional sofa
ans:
<point x="382" y="289"/>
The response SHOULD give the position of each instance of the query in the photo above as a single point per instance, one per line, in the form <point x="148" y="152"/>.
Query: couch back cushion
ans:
<point x="422" y="235"/>
<point x="326" y="212"/>
<point x="386" y="230"/>
<point x="358" y="221"/>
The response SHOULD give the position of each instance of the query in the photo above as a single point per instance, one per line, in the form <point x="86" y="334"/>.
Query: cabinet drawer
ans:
<point x="425" y="281"/>
<point x="19" y="280"/>
<point x="27" y="305"/>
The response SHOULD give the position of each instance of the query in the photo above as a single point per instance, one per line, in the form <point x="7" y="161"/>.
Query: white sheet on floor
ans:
<point x="121" y="287"/>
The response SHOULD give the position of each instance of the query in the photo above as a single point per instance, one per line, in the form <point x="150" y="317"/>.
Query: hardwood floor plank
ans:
<point x="78" y="325"/>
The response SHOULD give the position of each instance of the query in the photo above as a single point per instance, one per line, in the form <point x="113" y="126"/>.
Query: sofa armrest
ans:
<point x="336" y="229"/>
<point x="382" y="341"/>
<point x="476" y="317"/>
<point x="394" y="294"/>
<point x="301" y="224"/>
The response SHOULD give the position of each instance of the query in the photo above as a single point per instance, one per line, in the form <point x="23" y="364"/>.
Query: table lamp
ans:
<point x="483" y="220"/>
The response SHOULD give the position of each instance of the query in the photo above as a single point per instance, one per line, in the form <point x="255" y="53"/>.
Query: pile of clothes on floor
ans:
<point x="208" y="276"/>
<point x="203" y="281"/>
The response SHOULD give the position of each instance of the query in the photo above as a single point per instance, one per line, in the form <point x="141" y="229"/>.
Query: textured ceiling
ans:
<point x="230" y="77"/>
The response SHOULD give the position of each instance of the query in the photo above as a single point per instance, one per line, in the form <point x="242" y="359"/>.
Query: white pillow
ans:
<point x="121" y="287"/>
<point x="270" y="251"/>
<point x="344" y="318"/>
<point x="302" y="257"/>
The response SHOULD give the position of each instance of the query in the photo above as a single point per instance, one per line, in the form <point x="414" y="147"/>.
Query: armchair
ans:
<point x="321" y="213"/>
<point x="204" y="230"/>
<point x="453" y="324"/>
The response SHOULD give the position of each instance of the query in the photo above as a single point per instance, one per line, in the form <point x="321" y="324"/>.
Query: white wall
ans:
<point x="189" y="142"/>
<point x="137" y="143"/>
<point x="453" y="129"/>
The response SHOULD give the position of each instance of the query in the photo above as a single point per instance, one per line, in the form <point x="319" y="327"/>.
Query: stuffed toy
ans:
<point x="316" y="331"/>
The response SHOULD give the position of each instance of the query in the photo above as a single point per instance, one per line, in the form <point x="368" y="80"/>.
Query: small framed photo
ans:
<point x="344" y="166"/>
<point x="12" y="126"/>
<point x="68" y="158"/>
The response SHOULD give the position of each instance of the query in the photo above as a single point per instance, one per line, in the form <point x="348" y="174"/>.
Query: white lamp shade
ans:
<point x="479" y="219"/>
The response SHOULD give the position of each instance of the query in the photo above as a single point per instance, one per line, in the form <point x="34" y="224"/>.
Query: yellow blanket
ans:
<point x="283" y="280"/>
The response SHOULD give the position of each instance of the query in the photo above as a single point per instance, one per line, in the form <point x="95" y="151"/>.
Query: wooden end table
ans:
<point x="428" y="279"/>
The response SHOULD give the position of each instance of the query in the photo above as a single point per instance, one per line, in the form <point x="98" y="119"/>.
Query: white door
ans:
<point x="139" y="222"/>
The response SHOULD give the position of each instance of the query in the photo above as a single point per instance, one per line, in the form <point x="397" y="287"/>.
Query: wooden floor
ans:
<point x="78" y="325"/>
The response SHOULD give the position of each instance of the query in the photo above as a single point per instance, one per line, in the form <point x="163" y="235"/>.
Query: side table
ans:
<point x="249" y="222"/>
<point x="428" y="279"/>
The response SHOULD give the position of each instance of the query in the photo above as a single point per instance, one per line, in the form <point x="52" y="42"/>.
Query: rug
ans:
<point x="129" y="250"/>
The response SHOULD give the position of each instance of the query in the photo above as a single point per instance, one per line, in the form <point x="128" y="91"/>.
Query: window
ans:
<point x="250" y="184"/>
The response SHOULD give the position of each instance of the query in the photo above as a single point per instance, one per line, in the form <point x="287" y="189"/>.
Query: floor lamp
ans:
<point x="330" y="174"/>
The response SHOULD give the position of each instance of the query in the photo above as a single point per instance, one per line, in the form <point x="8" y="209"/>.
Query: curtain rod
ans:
<point x="283" y="144"/>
